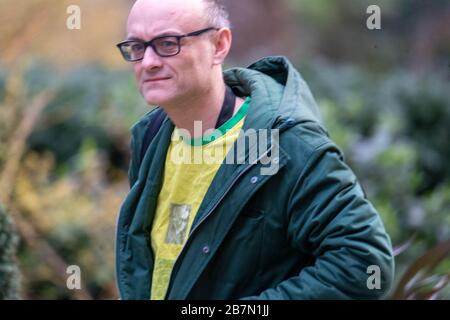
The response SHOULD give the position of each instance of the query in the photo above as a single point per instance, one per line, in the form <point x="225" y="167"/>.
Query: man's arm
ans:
<point x="329" y="214"/>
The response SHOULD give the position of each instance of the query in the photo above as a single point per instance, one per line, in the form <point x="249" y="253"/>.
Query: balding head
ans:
<point x="153" y="16"/>
<point x="216" y="14"/>
<point x="210" y="12"/>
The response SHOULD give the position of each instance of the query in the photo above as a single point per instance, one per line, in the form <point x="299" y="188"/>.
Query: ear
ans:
<point x="222" y="45"/>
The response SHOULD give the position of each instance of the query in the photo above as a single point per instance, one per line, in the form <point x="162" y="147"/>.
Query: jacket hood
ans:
<point x="274" y="83"/>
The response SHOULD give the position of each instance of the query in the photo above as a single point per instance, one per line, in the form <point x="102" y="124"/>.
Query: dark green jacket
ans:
<point x="306" y="232"/>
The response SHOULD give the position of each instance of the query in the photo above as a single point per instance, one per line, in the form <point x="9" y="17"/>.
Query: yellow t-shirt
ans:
<point x="190" y="167"/>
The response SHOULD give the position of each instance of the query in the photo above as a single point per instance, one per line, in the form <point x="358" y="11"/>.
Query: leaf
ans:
<point x="404" y="246"/>
<point x="414" y="274"/>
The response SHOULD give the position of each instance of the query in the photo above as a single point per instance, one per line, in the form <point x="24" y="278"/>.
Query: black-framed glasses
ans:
<point x="164" y="46"/>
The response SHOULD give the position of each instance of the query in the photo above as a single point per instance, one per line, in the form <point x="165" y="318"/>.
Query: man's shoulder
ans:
<point x="139" y="127"/>
<point x="305" y="143"/>
<point x="305" y="138"/>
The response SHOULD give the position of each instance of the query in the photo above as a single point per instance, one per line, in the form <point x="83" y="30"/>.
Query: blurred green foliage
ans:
<point x="72" y="175"/>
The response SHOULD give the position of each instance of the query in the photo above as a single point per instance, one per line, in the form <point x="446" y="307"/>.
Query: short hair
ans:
<point x="216" y="14"/>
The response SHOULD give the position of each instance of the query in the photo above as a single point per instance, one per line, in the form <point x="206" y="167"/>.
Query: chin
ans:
<point x="154" y="102"/>
<point x="154" y="98"/>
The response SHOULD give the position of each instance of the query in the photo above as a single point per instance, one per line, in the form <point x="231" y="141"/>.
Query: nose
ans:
<point x="151" y="60"/>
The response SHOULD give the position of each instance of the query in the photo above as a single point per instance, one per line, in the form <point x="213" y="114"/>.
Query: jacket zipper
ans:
<point x="212" y="209"/>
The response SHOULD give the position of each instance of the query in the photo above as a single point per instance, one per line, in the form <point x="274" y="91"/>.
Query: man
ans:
<point x="302" y="229"/>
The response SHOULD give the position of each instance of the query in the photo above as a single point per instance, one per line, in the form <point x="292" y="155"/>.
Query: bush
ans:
<point x="9" y="272"/>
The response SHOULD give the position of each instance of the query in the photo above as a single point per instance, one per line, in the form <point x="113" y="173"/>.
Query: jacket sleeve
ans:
<point x="330" y="217"/>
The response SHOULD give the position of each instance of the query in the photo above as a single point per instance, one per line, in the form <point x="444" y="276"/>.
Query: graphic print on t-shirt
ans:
<point x="178" y="224"/>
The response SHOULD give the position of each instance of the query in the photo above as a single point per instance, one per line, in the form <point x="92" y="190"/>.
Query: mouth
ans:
<point x="152" y="80"/>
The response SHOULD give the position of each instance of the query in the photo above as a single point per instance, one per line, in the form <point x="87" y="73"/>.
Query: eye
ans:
<point x="167" y="43"/>
<point x="136" y="46"/>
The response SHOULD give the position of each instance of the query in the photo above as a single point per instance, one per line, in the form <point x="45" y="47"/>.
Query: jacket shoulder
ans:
<point x="139" y="127"/>
<point x="304" y="139"/>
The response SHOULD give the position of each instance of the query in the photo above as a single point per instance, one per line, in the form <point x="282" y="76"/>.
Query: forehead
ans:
<point x="150" y="18"/>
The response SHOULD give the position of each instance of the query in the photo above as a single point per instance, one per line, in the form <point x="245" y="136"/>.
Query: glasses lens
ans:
<point x="133" y="50"/>
<point x="167" y="46"/>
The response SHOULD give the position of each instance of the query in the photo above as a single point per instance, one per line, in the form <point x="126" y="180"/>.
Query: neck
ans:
<point x="204" y="107"/>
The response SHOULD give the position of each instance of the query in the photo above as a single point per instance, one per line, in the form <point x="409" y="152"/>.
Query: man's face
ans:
<point x="171" y="80"/>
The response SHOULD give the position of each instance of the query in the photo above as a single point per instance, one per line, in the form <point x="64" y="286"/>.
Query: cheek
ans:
<point x="137" y="74"/>
<point x="137" y="71"/>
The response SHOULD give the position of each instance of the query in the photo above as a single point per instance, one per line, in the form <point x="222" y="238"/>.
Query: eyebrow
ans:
<point x="134" y="39"/>
<point x="163" y="34"/>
